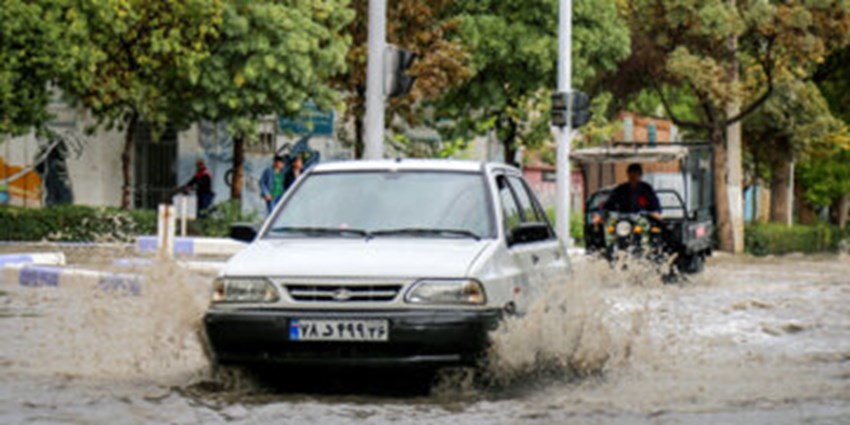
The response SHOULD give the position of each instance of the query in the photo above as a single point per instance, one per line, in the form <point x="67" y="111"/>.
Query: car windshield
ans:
<point x="387" y="204"/>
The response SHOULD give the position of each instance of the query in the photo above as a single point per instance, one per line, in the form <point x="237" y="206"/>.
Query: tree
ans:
<point x="514" y="45"/>
<point x="424" y="27"/>
<point x="685" y="44"/>
<point x="35" y="47"/>
<point x="833" y="77"/>
<point x="795" y="124"/>
<point x="133" y="53"/>
<point x="270" y="57"/>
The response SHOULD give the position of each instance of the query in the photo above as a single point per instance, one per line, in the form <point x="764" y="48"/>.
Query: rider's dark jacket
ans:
<point x="624" y="199"/>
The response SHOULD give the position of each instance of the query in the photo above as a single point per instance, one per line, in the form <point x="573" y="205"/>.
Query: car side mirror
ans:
<point x="529" y="232"/>
<point x="245" y="232"/>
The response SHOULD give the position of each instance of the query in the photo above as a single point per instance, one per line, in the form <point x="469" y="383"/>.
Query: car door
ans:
<point x="519" y="266"/>
<point x="548" y="258"/>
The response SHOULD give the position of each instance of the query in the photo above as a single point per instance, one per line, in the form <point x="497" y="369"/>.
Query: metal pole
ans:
<point x="563" y="136"/>
<point x="374" y="128"/>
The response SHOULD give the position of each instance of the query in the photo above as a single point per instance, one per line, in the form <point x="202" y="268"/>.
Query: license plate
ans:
<point x="338" y="330"/>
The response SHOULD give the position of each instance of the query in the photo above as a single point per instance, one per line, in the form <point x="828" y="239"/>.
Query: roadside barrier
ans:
<point x="34" y="276"/>
<point x="193" y="246"/>
<point x="40" y="258"/>
<point x="121" y="283"/>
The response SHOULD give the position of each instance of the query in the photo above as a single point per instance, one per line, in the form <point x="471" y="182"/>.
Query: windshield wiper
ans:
<point x="321" y="231"/>
<point x="415" y="231"/>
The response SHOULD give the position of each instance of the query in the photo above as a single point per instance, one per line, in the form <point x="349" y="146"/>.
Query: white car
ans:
<point x="381" y="263"/>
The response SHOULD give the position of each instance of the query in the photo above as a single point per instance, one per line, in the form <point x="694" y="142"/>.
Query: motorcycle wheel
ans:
<point x="692" y="264"/>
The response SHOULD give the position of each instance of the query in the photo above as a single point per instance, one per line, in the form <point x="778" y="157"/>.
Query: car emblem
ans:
<point x="342" y="295"/>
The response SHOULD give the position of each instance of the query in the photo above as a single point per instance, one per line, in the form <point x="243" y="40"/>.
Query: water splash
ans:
<point x="576" y="328"/>
<point x="82" y="331"/>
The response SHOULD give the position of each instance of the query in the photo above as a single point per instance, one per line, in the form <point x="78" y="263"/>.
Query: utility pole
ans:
<point x="563" y="135"/>
<point x="374" y="128"/>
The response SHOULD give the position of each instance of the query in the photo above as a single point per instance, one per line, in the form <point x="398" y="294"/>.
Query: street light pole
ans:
<point x="563" y="135"/>
<point x="374" y="128"/>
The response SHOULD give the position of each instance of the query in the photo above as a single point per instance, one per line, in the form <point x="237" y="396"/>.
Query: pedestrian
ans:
<point x="272" y="183"/>
<point x="202" y="183"/>
<point x="295" y="170"/>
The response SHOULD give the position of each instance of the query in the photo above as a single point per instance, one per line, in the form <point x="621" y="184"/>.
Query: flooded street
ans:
<point x="750" y="341"/>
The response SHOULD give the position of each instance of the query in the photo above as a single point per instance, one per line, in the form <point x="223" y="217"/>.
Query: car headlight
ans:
<point x="436" y="291"/>
<point x="246" y="290"/>
<point x="624" y="228"/>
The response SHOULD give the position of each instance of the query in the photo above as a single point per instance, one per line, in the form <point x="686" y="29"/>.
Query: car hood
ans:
<point x="372" y="258"/>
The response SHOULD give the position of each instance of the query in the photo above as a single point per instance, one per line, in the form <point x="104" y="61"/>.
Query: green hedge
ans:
<point x="576" y="225"/>
<point x="76" y="223"/>
<point x="779" y="239"/>
<point x="217" y="224"/>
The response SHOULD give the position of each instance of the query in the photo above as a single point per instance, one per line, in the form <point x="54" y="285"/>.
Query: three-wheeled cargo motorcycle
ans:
<point x="681" y="176"/>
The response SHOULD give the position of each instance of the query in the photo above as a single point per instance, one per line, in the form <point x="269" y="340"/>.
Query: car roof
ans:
<point x="406" y="165"/>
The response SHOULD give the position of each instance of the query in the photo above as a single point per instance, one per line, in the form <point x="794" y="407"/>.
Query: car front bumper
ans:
<point x="416" y="338"/>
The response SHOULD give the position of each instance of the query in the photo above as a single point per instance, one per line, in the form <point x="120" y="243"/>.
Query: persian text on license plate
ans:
<point x="338" y="330"/>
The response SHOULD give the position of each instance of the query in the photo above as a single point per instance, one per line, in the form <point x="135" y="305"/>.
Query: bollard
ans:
<point x="165" y="231"/>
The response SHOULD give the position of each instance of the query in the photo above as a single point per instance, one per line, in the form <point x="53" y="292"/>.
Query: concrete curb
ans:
<point x="40" y="258"/>
<point x="193" y="246"/>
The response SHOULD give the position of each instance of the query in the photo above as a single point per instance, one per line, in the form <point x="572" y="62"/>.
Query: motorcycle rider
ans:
<point x="633" y="196"/>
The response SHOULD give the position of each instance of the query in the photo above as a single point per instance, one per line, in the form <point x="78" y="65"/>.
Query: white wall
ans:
<point x="94" y="161"/>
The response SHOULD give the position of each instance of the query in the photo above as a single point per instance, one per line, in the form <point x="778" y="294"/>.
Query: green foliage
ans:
<point x="217" y="224"/>
<point x="35" y="49"/>
<point x="779" y="239"/>
<point x="514" y="48"/>
<point x="682" y="44"/>
<point x="74" y="223"/>
<point x="833" y="78"/>
<point x="576" y="225"/>
<point x="794" y="123"/>
<point x="135" y="52"/>
<point x="269" y="57"/>
<point x="825" y="178"/>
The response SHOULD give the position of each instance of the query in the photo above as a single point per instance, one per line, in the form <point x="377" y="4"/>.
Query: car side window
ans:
<point x="530" y="212"/>
<point x="510" y="209"/>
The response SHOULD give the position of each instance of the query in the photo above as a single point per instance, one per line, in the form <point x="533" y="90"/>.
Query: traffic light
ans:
<point x="396" y="63"/>
<point x="580" y="103"/>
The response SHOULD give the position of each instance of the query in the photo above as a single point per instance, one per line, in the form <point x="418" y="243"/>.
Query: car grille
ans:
<point x="342" y="293"/>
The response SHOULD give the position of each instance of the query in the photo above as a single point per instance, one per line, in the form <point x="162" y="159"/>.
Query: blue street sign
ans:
<point x="311" y="120"/>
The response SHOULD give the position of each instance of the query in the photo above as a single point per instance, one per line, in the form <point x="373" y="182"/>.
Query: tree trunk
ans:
<point x="733" y="146"/>
<point x="238" y="167"/>
<point x="127" y="163"/>
<point x="843" y="210"/>
<point x="359" y="110"/>
<point x="358" y="136"/>
<point x="807" y="214"/>
<point x="779" y="185"/>
<point x="721" y="192"/>
<point x="510" y="144"/>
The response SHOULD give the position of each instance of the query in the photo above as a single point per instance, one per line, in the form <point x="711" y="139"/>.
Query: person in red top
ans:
<point x="202" y="183"/>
